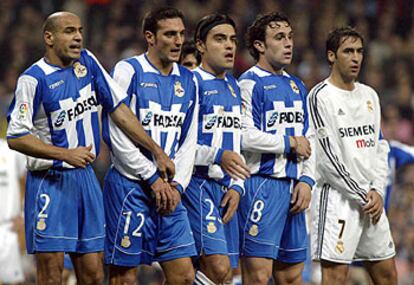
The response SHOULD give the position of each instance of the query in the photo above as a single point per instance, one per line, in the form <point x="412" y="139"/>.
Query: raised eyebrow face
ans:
<point x="280" y="29"/>
<point x="352" y="46"/>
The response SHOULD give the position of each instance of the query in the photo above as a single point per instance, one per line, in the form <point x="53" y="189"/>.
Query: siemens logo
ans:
<point x="357" y="131"/>
<point x="365" y="143"/>
<point x="284" y="117"/>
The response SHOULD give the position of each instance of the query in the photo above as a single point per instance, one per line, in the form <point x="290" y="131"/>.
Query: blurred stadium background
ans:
<point x="112" y="31"/>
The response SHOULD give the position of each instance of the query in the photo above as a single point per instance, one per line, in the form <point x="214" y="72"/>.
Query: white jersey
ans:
<point x="351" y="153"/>
<point x="12" y="167"/>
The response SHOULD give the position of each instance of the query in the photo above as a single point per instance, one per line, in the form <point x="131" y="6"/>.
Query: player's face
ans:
<point x="348" y="58"/>
<point x="219" y="49"/>
<point x="189" y="61"/>
<point x="66" y="40"/>
<point x="169" y="39"/>
<point x="278" y="45"/>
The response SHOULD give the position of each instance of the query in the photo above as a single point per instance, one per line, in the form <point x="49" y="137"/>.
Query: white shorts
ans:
<point x="342" y="233"/>
<point x="11" y="270"/>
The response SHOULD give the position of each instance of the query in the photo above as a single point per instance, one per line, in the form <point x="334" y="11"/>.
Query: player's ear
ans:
<point x="201" y="46"/>
<point x="149" y="37"/>
<point x="331" y="56"/>
<point x="48" y="38"/>
<point x="259" y="45"/>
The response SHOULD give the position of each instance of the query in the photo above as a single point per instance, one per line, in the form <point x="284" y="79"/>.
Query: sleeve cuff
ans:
<point x="17" y="135"/>
<point x="153" y="178"/>
<point x="219" y="156"/>
<point x="238" y="189"/>
<point x="179" y="187"/>
<point x="307" y="180"/>
<point x="287" y="144"/>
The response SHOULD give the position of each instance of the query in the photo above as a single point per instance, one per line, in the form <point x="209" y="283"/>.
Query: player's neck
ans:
<point x="218" y="72"/>
<point x="163" y="67"/>
<point x="53" y="59"/>
<point x="264" y="64"/>
<point x="341" y="82"/>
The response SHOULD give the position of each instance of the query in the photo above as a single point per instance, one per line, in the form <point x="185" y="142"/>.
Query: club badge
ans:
<point x="178" y="89"/>
<point x="340" y="247"/>
<point x="211" y="228"/>
<point x="80" y="70"/>
<point x="294" y="87"/>
<point x="370" y="106"/>
<point x="125" y="242"/>
<point x="254" y="230"/>
<point x="41" y="225"/>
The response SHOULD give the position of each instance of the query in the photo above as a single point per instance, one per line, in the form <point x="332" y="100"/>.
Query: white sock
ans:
<point x="202" y="279"/>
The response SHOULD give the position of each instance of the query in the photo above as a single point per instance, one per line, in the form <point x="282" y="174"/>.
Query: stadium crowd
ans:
<point x="111" y="33"/>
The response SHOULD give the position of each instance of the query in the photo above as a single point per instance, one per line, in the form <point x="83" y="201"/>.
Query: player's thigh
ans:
<point x="49" y="267"/>
<point x="256" y="270"/>
<point x="382" y="272"/>
<point x="130" y="222"/>
<point x="263" y="212"/>
<point x="216" y="267"/>
<point x="334" y="273"/>
<point x="121" y="275"/>
<point x="178" y="271"/>
<point x="88" y="267"/>
<point x="336" y="226"/>
<point x="287" y="273"/>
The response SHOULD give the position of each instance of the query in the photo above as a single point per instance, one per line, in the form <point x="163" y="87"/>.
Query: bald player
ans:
<point x="53" y="119"/>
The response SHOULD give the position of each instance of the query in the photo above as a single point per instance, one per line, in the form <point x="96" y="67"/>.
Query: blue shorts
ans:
<point x="266" y="228"/>
<point x="135" y="233"/>
<point x="202" y="200"/>
<point x="64" y="211"/>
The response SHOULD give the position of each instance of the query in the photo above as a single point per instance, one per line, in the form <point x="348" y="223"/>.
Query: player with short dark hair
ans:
<point x="54" y="120"/>
<point x="162" y="94"/>
<point x="276" y="143"/>
<point x="190" y="57"/>
<point x="349" y="223"/>
<point x="214" y="191"/>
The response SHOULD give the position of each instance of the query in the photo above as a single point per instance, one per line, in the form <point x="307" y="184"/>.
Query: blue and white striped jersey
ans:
<point x="219" y="126"/>
<point x="167" y="108"/>
<point x="60" y="105"/>
<point x="275" y="108"/>
<point x="399" y="156"/>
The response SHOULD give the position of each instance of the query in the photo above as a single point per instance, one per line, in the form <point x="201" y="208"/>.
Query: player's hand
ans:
<point x="163" y="195"/>
<point x="301" y="146"/>
<point x="79" y="157"/>
<point x="233" y="164"/>
<point x="301" y="197"/>
<point x="230" y="201"/>
<point x="165" y="165"/>
<point x="375" y="206"/>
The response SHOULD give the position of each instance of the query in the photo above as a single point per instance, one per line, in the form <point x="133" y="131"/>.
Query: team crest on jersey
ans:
<point x="340" y="247"/>
<point x="369" y="106"/>
<point x="178" y="89"/>
<point x="211" y="228"/>
<point x="80" y="70"/>
<point x="294" y="87"/>
<point x="254" y="230"/>
<point x="23" y="110"/>
<point x="125" y="242"/>
<point x="41" y="224"/>
<point x="232" y="90"/>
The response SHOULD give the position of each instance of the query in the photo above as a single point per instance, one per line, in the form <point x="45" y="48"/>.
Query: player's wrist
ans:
<point x="294" y="144"/>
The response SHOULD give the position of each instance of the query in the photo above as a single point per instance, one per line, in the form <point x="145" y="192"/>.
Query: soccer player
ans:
<point x="162" y="94"/>
<point x="212" y="196"/>
<point x="272" y="221"/>
<point x="348" y="218"/>
<point x="12" y="176"/>
<point x="54" y="120"/>
<point x="190" y="56"/>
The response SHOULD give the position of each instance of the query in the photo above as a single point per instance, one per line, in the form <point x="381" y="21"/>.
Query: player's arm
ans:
<point x="301" y="195"/>
<point x="330" y="159"/>
<point x="111" y="94"/>
<point x="185" y="157"/>
<point x="404" y="154"/>
<point x="255" y="140"/>
<point x="20" y="126"/>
